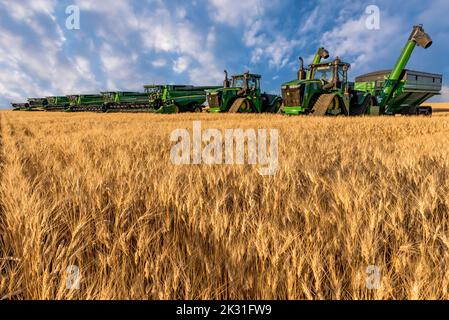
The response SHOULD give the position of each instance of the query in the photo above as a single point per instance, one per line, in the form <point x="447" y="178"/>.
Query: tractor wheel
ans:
<point x="324" y="103"/>
<point x="241" y="105"/>
<point x="176" y="109"/>
<point x="364" y="108"/>
<point x="246" y="107"/>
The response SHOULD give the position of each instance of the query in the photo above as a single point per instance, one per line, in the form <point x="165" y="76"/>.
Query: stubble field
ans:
<point x="99" y="192"/>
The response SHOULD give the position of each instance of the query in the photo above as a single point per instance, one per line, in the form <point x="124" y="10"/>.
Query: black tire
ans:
<point x="275" y="107"/>
<point x="197" y="109"/>
<point x="362" y="109"/>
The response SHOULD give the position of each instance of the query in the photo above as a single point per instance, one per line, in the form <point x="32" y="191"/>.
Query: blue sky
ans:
<point x="125" y="44"/>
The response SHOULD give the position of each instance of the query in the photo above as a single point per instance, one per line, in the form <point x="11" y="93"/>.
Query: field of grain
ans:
<point x="100" y="192"/>
<point x="439" y="107"/>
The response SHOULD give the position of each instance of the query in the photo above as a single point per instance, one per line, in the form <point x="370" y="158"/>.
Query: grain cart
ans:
<point x="57" y="103"/>
<point x="177" y="98"/>
<point x="328" y="91"/>
<point x="242" y="94"/>
<point x="37" y="104"/>
<point x="85" y="102"/>
<point x="125" y="101"/>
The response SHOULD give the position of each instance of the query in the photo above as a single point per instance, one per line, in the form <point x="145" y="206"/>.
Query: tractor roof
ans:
<point x="250" y="75"/>
<point x="330" y="63"/>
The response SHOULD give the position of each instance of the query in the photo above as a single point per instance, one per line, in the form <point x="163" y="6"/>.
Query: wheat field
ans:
<point x="99" y="191"/>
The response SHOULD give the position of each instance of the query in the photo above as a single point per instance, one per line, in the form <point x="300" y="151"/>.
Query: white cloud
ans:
<point x="259" y="33"/>
<point x="354" y="40"/>
<point x="159" y="63"/>
<point x="32" y="62"/>
<point x="24" y="10"/>
<point x="235" y="12"/>
<point x="181" y="64"/>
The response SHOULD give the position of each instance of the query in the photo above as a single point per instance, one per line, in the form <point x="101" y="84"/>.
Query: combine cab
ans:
<point x="242" y="95"/>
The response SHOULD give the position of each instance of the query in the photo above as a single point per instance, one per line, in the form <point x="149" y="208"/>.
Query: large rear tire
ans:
<point x="275" y="107"/>
<point x="362" y="109"/>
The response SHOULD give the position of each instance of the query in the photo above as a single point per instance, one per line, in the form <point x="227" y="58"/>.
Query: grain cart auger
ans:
<point x="242" y="94"/>
<point x="401" y="91"/>
<point x="327" y="91"/>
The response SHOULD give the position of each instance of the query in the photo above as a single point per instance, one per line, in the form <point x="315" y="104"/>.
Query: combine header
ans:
<point x="125" y="101"/>
<point x="85" y="102"/>
<point x="60" y="103"/>
<point x="177" y="98"/>
<point x="20" y="106"/>
<point x="37" y="104"/>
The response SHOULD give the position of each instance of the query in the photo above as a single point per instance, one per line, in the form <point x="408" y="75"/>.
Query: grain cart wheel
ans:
<point x="275" y="108"/>
<point x="197" y="109"/>
<point x="360" y="110"/>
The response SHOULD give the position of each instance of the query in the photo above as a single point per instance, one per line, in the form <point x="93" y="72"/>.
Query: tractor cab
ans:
<point x="246" y="81"/>
<point x="333" y="75"/>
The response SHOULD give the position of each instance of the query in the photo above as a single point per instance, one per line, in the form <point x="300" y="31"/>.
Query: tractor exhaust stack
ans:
<point x="302" y="75"/>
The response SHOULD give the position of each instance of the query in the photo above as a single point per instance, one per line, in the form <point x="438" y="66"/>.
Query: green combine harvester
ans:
<point x="37" y="104"/>
<point x="19" y="106"/>
<point x="57" y="103"/>
<point x="85" y="102"/>
<point x="242" y="95"/>
<point x="177" y="98"/>
<point x="124" y="101"/>
<point x="325" y="89"/>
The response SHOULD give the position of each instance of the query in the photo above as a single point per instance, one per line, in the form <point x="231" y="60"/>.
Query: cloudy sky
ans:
<point x="124" y="44"/>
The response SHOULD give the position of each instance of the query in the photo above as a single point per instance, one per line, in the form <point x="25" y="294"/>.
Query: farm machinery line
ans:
<point x="321" y="89"/>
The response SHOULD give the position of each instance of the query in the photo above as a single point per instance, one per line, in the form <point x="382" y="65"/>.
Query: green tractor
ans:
<point x="325" y="90"/>
<point x="242" y="94"/>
